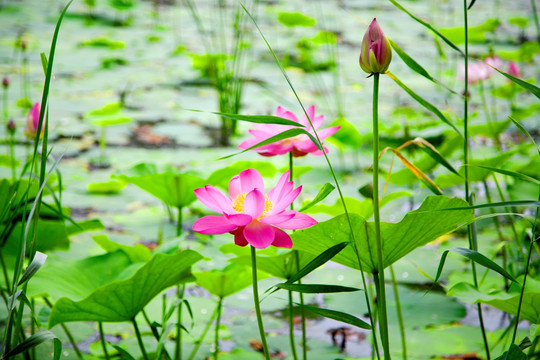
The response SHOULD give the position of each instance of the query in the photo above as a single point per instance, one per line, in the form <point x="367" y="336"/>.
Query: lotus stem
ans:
<point x="257" y="306"/>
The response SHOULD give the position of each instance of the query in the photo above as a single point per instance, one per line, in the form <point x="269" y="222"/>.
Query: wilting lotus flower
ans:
<point x="514" y="70"/>
<point x="300" y="145"/>
<point x="253" y="217"/>
<point x="32" y="122"/>
<point x="376" y="51"/>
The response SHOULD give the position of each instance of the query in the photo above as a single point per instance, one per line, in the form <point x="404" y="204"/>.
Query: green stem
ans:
<point x="399" y="315"/>
<point x="203" y="335"/>
<point x="102" y="339"/>
<point x="102" y="146"/>
<point x="535" y="16"/>
<point x="149" y="323"/>
<point x="216" y="335"/>
<point x="291" y="327"/>
<point x="139" y="339"/>
<point x="381" y="293"/>
<point x="6" y="112"/>
<point x="257" y="306"/>
<point x="12" y="153"/>
<point x="33" y="324"/>
<point x="68" y="333"/>
<point x="302" y="310"/>
<point x="178" y="345"/>
<point x="179" y="222"/>
<point x="4" y="271"/>
<point x="533" y="241"/>
<point x="470" y="229"/>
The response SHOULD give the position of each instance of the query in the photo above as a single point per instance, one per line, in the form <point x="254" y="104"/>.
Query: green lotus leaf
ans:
<point x="123" y="299"/>
<point x="416" y="229"/>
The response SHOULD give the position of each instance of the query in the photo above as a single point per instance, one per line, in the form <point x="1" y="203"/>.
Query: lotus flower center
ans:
<point x="238" y="204"/>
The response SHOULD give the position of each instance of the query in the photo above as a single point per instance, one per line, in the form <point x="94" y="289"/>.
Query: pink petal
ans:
<point x="238" y="219"/>
<point x="234" y="187"/>
<point x="278" y="148"/>
<point x="239" y="238"/>
<point x="299" y="221"/>
<point x="208" y="199"/>
<point x="283" y="185"/>
<point x="254" y="203"/>
<point x="259" y="235"/>
<point x="251" y="179"/>
<point x="324" y="133"/>
<point x="306" y="146"/>
<point x="311" y="113"/>
<point x="281" y="239"/>
<point x="286" y="114"/>
<point x="221" y="200"/>
<point x="278" y="218"/>
<point x="213" y="224"/>
<point x="286" y="200"/>
<point x="317" y="121"/>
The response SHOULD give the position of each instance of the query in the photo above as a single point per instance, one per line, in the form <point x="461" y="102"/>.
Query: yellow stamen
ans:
<point x="238" y="205"/>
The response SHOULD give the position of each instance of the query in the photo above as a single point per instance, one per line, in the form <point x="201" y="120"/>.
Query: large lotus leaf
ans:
<point x="137" y="253"/>
<point x="228" y="281"/>
<point x="51" y="234"/>
<point x="416" y="229"/>
<point x="282" y="266"/>
<point x="174" y="189"/>
<point x="505" y="301"/>
<point x="122" y="300"/>
<point x="77" y="279"/>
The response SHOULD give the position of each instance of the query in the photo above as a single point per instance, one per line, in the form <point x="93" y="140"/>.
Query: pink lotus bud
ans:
<point x="376" y="51"/>
<point x="514" y="70"/>
<point x="5" y="82"/>
<point x="32" y="122"/>
<point x="11" y="127"/>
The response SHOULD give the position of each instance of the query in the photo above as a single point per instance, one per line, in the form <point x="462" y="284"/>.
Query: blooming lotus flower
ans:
<point x="32" y="122"/>
<point x="300" y="145"/>
<point x="376" y="51"/>
<point x="481" y="70"/>
<point x="514" y="70"/>
<point x="253" y="217"/>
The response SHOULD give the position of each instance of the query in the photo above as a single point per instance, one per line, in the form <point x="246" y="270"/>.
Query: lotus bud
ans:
<point x="24" y="45"/>
<point x="5" y="82"/>
<point x="514" y="70"/>
<point x="376" y="51"/>
<point x="32" y="122"/>
<point x="11" y="127"/>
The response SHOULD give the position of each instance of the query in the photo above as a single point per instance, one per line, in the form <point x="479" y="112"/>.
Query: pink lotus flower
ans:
<point x="481" y="70"/>
<point x="32" y="122"/>
<point x="513" y="70"/>
<point x="300" y="145"/>
<point x="253" y="217"/>
<point x="376" y="52"/>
